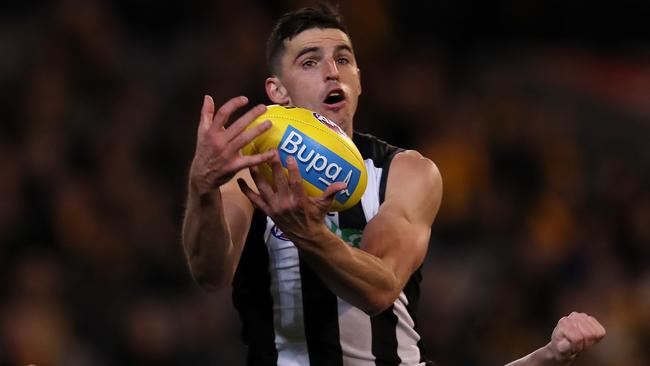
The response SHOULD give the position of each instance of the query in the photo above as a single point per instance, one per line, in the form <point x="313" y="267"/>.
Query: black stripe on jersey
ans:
<point x="384" y="175"/>
<point x="353" y="218"/>
<point x="252" y="297"/>
<point x="371" y="147"/>
<point x="412" y="293"/>
<point x="321" y="317"/>
<point x="384" y="338"/>
<point x="382" y="155"/>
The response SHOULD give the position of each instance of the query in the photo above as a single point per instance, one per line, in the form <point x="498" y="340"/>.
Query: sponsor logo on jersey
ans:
<point x="278" y="233"/>
<point x="318" y="165"/>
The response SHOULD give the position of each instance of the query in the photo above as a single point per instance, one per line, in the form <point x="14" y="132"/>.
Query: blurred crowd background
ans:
<point x="536" y="112"/>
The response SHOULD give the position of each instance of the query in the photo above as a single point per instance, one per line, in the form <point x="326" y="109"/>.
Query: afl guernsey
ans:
<point x="289" y="316"/>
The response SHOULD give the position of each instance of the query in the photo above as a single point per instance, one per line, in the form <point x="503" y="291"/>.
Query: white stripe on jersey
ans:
<point x="407" y="337"/>
<point x="286" y="290"/>
<point x="355" y="335"/>
<point x="355" y="332"/>
<point x="370" y="198"/>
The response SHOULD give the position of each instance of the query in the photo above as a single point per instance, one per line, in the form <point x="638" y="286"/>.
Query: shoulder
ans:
<point x="414" y="180"/>
<point x="410" y="164"/>
<point x="413" y="189"/>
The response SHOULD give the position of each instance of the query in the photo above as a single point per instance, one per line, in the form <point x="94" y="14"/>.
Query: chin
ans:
<point x="344" y="123"/>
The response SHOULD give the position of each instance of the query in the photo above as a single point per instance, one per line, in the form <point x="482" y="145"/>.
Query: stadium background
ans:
<point x="536" y="112"/>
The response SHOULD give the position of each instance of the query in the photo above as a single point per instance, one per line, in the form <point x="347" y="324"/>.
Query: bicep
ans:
<point x="399" y="233"/>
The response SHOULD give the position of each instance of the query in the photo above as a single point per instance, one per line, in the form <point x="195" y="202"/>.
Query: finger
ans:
<point x="266" y="191"/>
<point x="586" y="330"/>
<point x="248" y="161"/>
<point x="280" y="180"/>
<point x="248" y="136"/>
<point x="252" y="196"/>
<point x="328" y="196"/>
<point x="594" y="330"/>
<point x="207" y="111"/>
<point x="295" y="180"/>
<point x="242" y="122"/>
<point x="573" y="333"/>
<point x="224" y="112"/>
<point x="588" y="326"/>
<point x="564" y="346"/>
<point x="600" y="330"/>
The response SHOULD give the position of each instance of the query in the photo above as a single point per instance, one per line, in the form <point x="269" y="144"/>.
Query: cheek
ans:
<point x="303" y="88"/>
<point x="355" y="83"/>
<point x="306" y="94"/>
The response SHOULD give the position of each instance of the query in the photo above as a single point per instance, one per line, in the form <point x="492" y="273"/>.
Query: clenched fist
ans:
<point x="573" y="334"/>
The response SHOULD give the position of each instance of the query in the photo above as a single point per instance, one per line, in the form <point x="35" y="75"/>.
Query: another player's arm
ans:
<point x="394" y="242"/>
<point x="218" y="215"/>
<point x="572" y="335"/>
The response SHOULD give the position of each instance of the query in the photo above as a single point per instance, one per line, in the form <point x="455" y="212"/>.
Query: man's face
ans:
<point x="320" y="73"/>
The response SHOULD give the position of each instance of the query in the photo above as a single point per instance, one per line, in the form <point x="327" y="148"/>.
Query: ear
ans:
<point x="276" y="91"/>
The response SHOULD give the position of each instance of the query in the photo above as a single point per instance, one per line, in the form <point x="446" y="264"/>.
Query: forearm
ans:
<point x="206" y="239"/>
<point x="356" y="276"/>
<point x="541" y="357"/>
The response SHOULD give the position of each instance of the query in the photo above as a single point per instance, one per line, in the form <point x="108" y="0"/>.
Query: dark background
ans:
<point x="536" y="112"/>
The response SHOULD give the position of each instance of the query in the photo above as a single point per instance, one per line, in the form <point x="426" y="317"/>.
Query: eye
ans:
<point x="342" y="61"/>
<point x="307" y="64"/>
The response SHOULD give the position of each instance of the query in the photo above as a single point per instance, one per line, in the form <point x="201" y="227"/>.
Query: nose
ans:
<point x="331" y="70"/>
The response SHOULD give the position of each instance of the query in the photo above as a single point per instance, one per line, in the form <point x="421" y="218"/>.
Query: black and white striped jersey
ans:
<point x="290" y="317"/>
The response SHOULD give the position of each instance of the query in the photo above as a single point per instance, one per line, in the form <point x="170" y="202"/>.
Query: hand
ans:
<point x="574" y="334"/>
<point x="218" y="157"/>
<point x="298" y="215"/>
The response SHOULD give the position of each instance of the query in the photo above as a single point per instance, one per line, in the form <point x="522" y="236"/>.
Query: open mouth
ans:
<point x="334" y="97"/>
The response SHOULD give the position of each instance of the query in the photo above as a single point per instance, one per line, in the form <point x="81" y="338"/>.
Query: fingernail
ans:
<point x="243" y="99"/>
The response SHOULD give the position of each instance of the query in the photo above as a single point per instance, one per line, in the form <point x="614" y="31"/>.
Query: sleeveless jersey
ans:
<point x="290" y="317"/>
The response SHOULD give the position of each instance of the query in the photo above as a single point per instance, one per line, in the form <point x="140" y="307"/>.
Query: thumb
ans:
<point x="329" y="194"/>
<point x="564" y="346"/>
<point x="207" y="112"/>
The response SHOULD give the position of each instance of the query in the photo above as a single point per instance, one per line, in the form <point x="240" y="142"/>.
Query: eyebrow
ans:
<point x="344" y="47"/>
<point x="306" y="50"/>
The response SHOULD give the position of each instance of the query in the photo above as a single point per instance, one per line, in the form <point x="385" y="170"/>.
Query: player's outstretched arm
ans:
<point x="573" y="334"/>
<point x="217" y="216"/>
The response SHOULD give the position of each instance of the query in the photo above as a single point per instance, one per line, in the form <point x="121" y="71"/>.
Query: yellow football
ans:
<point x="324" y="153"/>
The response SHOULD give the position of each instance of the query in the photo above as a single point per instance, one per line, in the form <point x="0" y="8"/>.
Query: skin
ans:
<point x="220" y="209"/>
<point x="315" y="62"/>
<point x="573" y="334"/>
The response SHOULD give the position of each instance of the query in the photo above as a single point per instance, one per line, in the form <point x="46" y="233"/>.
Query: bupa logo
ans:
<point x="332" y="126"/>
<point x="318" y="165"/>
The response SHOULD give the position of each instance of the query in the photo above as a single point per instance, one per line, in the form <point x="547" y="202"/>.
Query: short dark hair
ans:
<point x="293" y="23"/>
